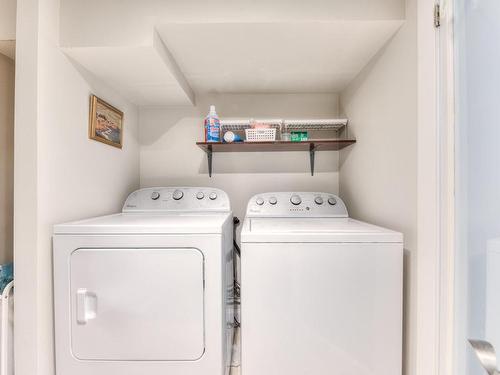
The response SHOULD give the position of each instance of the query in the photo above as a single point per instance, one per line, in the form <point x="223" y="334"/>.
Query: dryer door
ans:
<point x="137" y="304"/>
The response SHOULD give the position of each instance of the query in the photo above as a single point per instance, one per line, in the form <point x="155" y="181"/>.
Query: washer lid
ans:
<point x="301" y="229"/>
<point x="142" y="223"/>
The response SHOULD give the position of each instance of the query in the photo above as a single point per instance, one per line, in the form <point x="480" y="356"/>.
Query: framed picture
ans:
<point x="106" y="122"/>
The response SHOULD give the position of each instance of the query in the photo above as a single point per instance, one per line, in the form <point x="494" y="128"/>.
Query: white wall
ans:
<point x="60" y="174"/>
<point x="169" y="156"/>
<point x="6" y="157"/>
<point x="378" y="176"/>
<point x="7" y="27"/>
<point x="7" y="19"/>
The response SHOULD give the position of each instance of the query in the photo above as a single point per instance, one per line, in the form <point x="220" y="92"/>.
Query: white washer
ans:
<point x="320" y="293"/>
<point x="146" y="291"/>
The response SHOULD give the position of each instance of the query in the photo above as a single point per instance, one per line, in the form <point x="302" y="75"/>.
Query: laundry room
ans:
<point x="111" y="115"/>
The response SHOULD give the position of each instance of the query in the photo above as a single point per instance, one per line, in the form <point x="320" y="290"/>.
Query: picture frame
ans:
<point x="105" y="123"/>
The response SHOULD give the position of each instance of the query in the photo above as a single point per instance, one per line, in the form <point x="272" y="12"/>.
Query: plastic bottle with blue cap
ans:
<point x="212" y="126"/>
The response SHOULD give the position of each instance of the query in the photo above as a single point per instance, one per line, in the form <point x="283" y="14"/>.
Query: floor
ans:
<point x="235" y="362"/>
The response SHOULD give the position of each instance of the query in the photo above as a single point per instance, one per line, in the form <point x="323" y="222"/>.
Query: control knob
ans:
<point x="332" y="201"/>
<point x="178" y="194"/>
<point x="200" y="195"/>
<point x="318" y="200"/>
<point x="295" y="200"/>
<point x="155" y="195"/>
<point x="213" y="195"/>
<point x="259" y="201"/>
<point x="273" y="200"/>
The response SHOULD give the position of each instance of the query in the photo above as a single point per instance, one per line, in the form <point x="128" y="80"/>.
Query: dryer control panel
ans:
<point x="188" y="199"/>
<point x="296" y="204"/>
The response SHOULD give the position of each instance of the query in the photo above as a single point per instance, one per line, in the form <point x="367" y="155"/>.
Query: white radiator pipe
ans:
<point x="4" y="355"/>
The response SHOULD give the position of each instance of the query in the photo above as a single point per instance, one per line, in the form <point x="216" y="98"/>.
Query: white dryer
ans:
<point x="146" y="291"/>
<point x="321" y="293"/>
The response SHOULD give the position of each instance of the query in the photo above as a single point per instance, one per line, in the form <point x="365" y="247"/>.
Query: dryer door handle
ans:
<point x="86" y="305"/>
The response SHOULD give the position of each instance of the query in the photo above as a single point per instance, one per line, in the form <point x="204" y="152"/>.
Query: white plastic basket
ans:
<point x="260" y="135"/>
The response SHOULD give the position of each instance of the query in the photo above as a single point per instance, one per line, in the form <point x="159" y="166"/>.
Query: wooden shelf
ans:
<point x="312" y="146"/>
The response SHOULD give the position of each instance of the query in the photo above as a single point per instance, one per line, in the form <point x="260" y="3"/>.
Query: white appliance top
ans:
<point x="307" y="217"/>
<point x="182" y="210"/>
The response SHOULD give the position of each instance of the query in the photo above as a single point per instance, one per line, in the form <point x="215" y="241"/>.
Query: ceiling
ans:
<point x="146" y="75"/>
<point x="291" y="57"/>
<point x="165" y="52"/>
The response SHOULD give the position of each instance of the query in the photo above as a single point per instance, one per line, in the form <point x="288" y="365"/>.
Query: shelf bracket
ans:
<point x="209" y="159"/>
<point x="312" y="151"/>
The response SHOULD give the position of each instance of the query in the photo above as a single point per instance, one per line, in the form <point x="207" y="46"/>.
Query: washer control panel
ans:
<point x="296" y="204"/>
<point x="189" y="199"/>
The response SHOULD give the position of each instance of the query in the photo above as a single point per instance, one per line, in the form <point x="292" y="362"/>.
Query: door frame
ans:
<point x="447" y="188"/>
<point x="434" y="310"/>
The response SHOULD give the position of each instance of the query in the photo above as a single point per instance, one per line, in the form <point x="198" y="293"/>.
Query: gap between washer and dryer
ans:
<point x="236" y="354"/>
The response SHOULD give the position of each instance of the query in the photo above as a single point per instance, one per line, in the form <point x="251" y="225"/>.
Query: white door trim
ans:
<point x="428" y="198"/>
<point x="435" y="202"/>
<point x="446" y="110"/>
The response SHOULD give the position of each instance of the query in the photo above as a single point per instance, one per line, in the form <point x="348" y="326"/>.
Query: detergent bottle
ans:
<point x="212" y="126"/>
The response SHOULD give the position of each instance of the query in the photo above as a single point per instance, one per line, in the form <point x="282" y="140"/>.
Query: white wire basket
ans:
<point x="260" y="135"/>
<point x="240" y="125"/>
